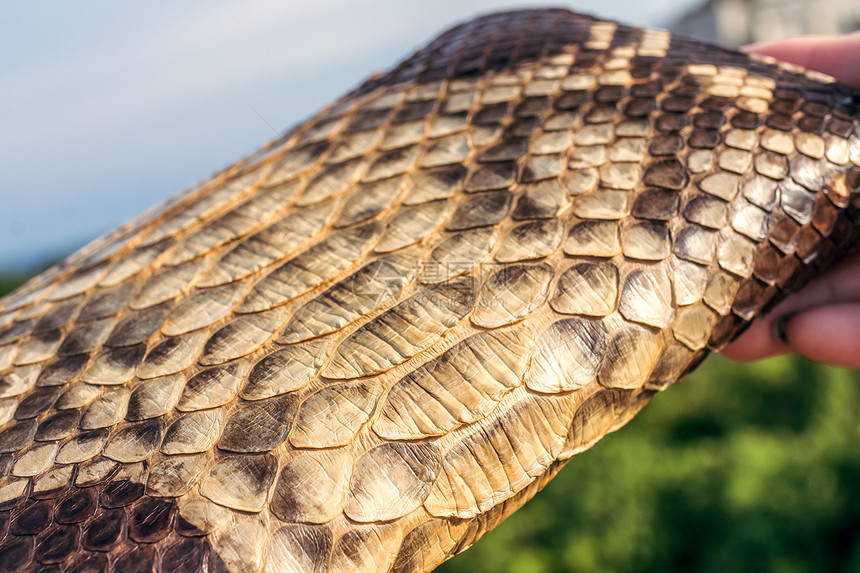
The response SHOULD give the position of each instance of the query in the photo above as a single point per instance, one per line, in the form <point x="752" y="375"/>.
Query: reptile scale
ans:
<point x="365" y="345"/>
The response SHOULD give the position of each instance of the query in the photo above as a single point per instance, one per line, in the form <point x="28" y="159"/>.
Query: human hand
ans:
<point x="822" y="321"/>
<point x="833" y="55"/>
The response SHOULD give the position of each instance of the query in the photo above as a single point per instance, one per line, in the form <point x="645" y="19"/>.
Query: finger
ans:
<point x="833" y="55"/>
<point x="756" y="343"/>
<point x="830" y="334"/>
<point x="839" y="284"/>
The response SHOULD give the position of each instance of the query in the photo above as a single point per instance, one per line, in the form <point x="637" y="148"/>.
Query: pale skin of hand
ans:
<point x="826" y="326"/>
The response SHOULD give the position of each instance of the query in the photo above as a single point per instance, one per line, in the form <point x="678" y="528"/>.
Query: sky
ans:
<point x="108" y="108"/>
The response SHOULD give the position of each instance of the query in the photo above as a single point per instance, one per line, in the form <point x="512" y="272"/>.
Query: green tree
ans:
<point x="11" y="281"/>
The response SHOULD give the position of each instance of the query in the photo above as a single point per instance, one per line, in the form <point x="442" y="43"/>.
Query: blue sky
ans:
<point x="107" y="108"/>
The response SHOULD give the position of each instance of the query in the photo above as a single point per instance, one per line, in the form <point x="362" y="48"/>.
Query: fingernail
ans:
<point x="780" y="325"/>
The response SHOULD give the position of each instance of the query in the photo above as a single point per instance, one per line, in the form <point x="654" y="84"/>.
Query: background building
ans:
<point x="737" y="22"/>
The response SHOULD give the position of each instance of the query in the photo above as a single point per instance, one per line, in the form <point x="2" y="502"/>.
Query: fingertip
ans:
<point x="829" y="334"/>
<point x="780" y="326"/>
<point x="756" y="343"/>
<point x="794" y="50"/>
<point x="832" y="55"/>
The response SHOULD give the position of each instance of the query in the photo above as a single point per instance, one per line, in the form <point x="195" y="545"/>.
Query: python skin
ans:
<point x="364" y="346"/>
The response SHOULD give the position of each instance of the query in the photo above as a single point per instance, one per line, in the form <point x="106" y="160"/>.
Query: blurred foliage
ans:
<point x="11" y="281"/>
<point x="742" y="468"/>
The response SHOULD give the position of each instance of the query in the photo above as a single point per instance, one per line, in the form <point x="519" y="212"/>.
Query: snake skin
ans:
<point x="364" y="346"/>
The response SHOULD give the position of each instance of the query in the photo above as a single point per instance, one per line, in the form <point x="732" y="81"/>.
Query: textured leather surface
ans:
<point x="364" y="346"/>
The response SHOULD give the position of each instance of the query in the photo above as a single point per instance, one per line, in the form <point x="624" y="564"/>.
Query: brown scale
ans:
<point x="363" y="346"/>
